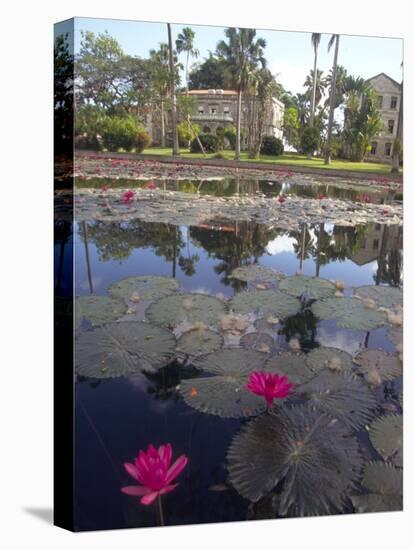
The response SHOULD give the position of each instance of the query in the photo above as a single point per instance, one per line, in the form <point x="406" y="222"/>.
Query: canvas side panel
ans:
<point x="63" y="275"/>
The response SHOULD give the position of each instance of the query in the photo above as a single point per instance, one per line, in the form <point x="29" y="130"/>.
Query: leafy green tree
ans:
<point x="172" y="83"/>
<point x="310" y="140"/>
<point x="212" y="73"/>
<point x="244" y="55"/>
<point x="185" y="43"/>
<point x="291" y="126"/>
<point x="317" y="87"/>
<point x="362" y="124"/>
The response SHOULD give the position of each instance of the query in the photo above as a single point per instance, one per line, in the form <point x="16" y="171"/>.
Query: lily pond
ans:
<point x="191" y="295"/>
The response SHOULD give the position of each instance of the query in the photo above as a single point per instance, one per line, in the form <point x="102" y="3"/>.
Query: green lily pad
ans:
<point x="331" y="358"/>
<point x="265" y="302"/>
<point x="383" y="296"/>
<point x="193" y="308"/>
<point x="313" y="288"/>
<point x="255" y="272"/>
<point x="258" y="341"/>
<point x="144" y="287"/>
<point x="222" y="391"/>
<point x="386" y="485"/>
<point x="382" y="478"/>
<point x="377" y="366"/>
<point x="386" y="434"/>
<point x="121" y="349"/>
<point x="314" y="457"/>
<point x="198" y="341"/>
<point x="348" y="313"/>
<point x="98" y="309"/>
<point x="293" y="365"/>
<point x="343" y="396"/>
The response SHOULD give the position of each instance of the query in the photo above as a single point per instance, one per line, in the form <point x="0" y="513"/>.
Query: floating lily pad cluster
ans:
<point x="98" y="310"/>
<point x="256" y="272"/>
<point x="312" y="460"/>
<point x="385" y="485"/>
<point x="348" y="312"/>
<point x="386" y="434"/>
<point x="178" y="308"/>
<point x="265" y="303"/>
<point x="143" y="287"/>
<point x="378" y="366"/>
<point x="382" y="296"/>
<point x="312" y="288"/>
<point x="122" y="349"/>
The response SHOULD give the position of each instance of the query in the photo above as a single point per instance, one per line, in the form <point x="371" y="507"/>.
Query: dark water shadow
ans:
<point x="44" y="514"/>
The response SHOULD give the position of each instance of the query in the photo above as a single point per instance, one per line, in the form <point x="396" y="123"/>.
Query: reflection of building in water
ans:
<point x="378" y="240"/>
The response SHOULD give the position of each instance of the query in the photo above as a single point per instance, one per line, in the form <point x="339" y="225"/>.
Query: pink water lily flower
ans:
<point x="269" y="386"/>
<point x="127" y="196"/>
<point x="281" y="199"/>
<point x="153" y="470"/>
<point x="151" y="185"/>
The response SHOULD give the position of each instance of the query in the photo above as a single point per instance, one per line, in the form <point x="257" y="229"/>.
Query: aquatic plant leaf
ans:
<point x="255" y="272"/>
<point x="144" y="287"/>
<point x="343" y="396"/>
<point x="382" y="478"/>
<point x="313" y="288"/>
<point x="377" y="366"/>
<point x="222" y="391"/>
<point x="177" y="308"/>
<point x="383" y="296"/>
<point x="395" y="335"/>
<point x="98" y="309"/>
<point x="293" y="365"/>
<point x="386" y="435"/>
<point x="258" y="341"/>
<point x="121" y="349"/>
<point x="373" y="502"/>
<point x="331" y="358"/>
<point x="198" y="341"/>
<point x="348" y="313"/>
<point x="315" y="457"/>
<point x="265" y="302"/>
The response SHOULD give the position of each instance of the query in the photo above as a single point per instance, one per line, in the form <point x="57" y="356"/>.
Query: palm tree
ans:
<point x="175" y="150"/>
<point x="243" y="55"/>
<point x="315" y="41"/>
<point x="160" y="79"/>
<point x="185" y="43"/>
<point x="335" y="38"/>
<point x="315" y="87"/>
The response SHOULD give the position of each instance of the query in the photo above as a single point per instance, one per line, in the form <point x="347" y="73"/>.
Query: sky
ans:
<point x="289" y="54"/>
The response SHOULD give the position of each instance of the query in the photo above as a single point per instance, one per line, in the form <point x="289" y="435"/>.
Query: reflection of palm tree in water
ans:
<point x="187" y="264"/>
<point x="389" y="261"/>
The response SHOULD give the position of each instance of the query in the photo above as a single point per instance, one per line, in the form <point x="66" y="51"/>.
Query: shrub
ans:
<point x="87" y="142"/>
<point x="219" y="156"/>
<point x="142" y="140"/>
<point x="187" y="132"/>
<point x="124" y="133"/>
<point x="231" y="134"/>
<point x="310" y="140"/>
<point x="210" y="142"/>
<point x="272" y="146"/>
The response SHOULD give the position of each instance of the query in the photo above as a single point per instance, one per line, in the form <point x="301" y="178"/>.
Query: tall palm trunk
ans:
<point x="187" y="75"/>
<point x="399" y="138"/>
<point x="327" y="158"/>
<point x="175" y="150"/>
<point x="163" y="142"/>
<point x="313" y="91"/>
<point x="238" y="137"/>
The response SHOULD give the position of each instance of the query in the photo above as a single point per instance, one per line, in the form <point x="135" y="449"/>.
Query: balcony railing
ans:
<point x="213" y="117"/>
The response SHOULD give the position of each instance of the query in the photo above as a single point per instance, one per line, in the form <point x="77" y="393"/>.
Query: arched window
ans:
<point x="373" y="149"/>
<point x="206" y="129"/>
<point x="387" y="149"/>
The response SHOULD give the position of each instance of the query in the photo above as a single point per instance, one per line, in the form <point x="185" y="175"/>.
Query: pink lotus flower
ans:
<point x="270" y="386"/>
<point x="320" y="196"/>
<point x="154" y="472"/>
<point x="105" y="188"/>
<point x="151" y="185"/>
<point x="281" y="199"/>
<point x="127" y="196"/>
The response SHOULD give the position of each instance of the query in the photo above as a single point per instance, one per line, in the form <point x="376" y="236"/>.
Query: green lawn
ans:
<point x="288" y="159"/>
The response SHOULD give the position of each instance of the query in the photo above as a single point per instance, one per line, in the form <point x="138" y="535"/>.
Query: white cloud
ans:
<point x="292" y="77"/>
<point x="280" y="244"/>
